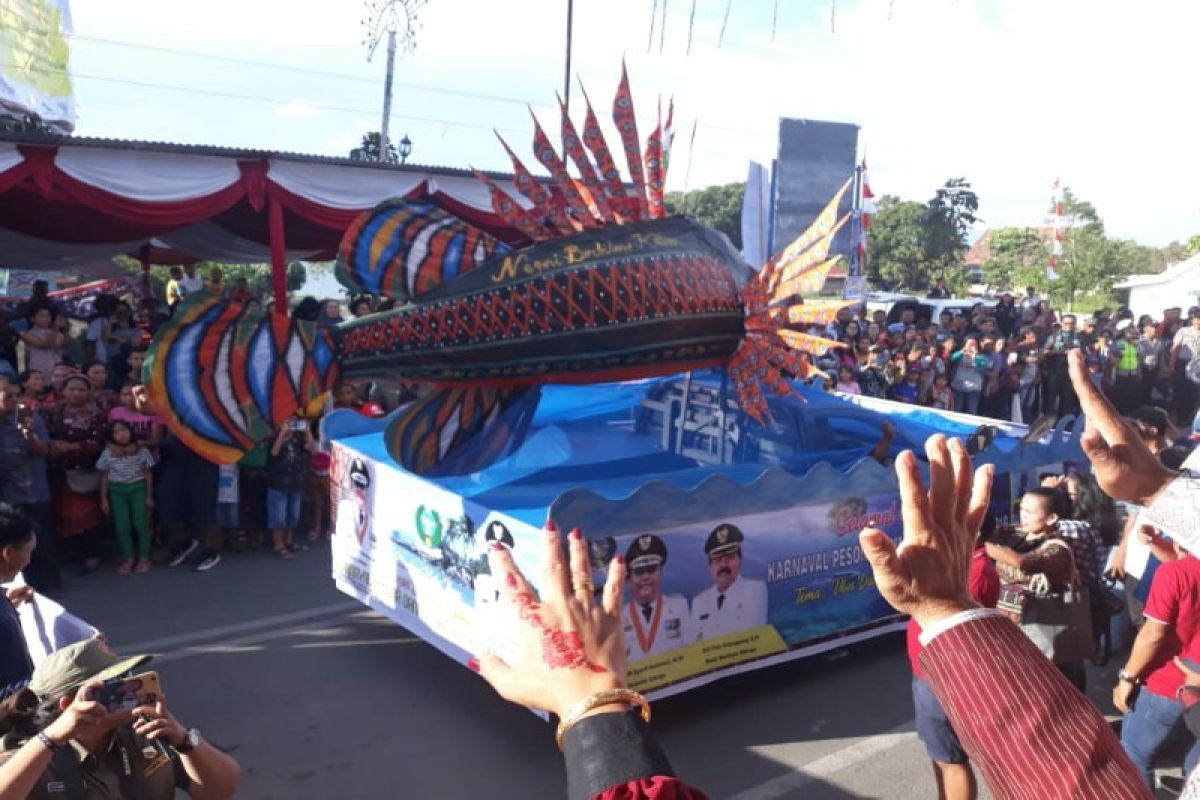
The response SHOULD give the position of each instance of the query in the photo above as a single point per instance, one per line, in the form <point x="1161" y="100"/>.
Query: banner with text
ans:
<point x="34" y="58"/>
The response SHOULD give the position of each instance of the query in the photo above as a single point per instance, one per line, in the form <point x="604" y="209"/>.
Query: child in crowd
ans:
<point x="127" y="492"/>
<point x="846" y="382"/>
<point x="941" y="395"/>
<point x="287" y="479"/>
<point x="134" y="409"/>
<point x="908" y="389"/>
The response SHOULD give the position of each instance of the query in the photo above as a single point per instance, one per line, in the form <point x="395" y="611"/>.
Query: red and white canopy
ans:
<point x="69" y="202"/>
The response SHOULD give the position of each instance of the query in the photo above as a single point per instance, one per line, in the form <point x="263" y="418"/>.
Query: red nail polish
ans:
<point x="552" y="526"/>
<point x="620" y="559"/>
<point x="576" y="533"/>
<point x="497" y="546"/>
<point x="473" y="665"/>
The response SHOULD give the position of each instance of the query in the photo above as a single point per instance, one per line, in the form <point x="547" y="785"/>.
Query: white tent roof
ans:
<point x="1183" y="269"/>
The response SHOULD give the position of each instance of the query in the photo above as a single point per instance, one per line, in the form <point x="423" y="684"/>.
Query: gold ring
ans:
<point x="584" y="586"/>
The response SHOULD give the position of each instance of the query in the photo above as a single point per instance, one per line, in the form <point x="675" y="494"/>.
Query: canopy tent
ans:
<point x="67" y="202"/>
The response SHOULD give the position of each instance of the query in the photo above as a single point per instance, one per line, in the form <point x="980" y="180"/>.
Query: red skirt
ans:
<point x="75" y="513"/>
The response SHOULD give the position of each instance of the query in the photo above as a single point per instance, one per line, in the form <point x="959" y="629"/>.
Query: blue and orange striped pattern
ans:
<point x="402" y="249"/>
<point x="224" y="377"/>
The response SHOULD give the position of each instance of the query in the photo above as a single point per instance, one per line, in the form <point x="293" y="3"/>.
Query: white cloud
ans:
<point x="1007" y="93"/>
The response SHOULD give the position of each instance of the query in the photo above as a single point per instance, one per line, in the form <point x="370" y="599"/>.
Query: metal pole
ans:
<point x="387" y="96"/>
<point x="567" y="69"/>
<point x="856" y="223"/>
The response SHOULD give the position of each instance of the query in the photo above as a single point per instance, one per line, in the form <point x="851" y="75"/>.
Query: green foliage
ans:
<point x="370" y="148"/>
<point x="258" y="276"/>
<point x="718" y="207"/>
<point x="1193" y="244"/>
<point x="1018" y="258"/>
<point x="910" y="244"/>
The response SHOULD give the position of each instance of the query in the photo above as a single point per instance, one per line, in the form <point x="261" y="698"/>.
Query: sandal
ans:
<point x="283" y="554"/>
<point x="297" y="548"/>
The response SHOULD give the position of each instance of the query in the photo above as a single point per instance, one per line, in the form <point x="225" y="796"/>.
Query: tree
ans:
<point x="258" y="276"/>
<point x="1018" y="258"/>
<point x="718" y="207"/>
<point x="948" y="219"/>
<point x="896" y="242"/>
<point x="370" y="148"/>
<point x="1193" y="244"/>
<point x="1090" y="261"/>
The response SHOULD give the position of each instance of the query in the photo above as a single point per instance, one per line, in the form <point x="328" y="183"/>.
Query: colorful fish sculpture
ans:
<point x="607" y="288"/>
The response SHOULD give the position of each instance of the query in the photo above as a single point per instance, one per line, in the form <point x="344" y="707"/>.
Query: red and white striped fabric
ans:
<point x="66" y="206"/>
<point x="1031" y="733"/>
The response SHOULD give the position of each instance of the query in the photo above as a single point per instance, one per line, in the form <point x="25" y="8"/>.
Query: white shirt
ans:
<point x="191" y="285"/>
<point x="670" y="626"/>
<point x="744" y="607"/>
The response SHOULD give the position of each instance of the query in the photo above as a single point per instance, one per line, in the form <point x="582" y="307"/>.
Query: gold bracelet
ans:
<point x="596" y="700"/>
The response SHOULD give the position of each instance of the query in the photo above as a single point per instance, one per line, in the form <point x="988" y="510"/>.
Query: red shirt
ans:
<point x="1174" y="601"/>
<point x="985" y="590"/>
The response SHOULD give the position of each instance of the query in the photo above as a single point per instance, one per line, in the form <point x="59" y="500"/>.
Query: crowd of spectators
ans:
<point x="1008" y="361"/>
<point x="85" y="456"/>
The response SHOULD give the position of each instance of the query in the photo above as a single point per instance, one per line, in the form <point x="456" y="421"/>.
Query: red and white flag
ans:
<point x="1056" y="247"/>
<point x="867" y="209"/>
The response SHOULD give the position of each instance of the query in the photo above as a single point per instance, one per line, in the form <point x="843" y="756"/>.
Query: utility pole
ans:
<point x="398" y="19"/>
<point x="387" y="95"/>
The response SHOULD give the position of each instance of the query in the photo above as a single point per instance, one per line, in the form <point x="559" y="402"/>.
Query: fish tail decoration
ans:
<point x="458" y="431"/>
<point x="582" y="209"/>
<point x="403" y="248"/>
<point x="654" y="170"/>
<point x="626" y="123"/>
<point x="544" y="201"/>
<point x="770" y="353"/>
<point x="513" y="215"/>
<point x="573" y="146"/>
<point x="223" y="376"/>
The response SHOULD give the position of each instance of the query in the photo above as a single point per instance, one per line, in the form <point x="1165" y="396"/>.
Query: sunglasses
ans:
<point x="645" y="570"/>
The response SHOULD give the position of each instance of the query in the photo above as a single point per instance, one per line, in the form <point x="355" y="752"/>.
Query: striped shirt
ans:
<point x="125" y="468"/>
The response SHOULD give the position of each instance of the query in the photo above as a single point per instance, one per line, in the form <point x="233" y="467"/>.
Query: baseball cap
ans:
<point x="64" y="671"/>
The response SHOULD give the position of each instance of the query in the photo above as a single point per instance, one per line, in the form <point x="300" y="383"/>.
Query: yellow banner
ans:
<point x="703" y="657"/>
<point x="34" y="55"/>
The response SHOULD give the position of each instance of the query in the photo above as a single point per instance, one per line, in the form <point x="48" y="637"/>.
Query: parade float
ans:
<point x="619" y="370"/>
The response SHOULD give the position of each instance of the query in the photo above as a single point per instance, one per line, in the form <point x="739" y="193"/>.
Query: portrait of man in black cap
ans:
<point x="733" y="603"/>
<point x="654" y="622"/>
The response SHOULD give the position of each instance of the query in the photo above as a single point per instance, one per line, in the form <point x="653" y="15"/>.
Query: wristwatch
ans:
<point x="1127" y="678"/>
<point x="191" y="741"/>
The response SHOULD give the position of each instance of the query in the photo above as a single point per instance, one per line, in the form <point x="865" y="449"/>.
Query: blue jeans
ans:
<point x="1147" y="726"/>
<point x="966" y="402"/>
<point x="283" y="508"/>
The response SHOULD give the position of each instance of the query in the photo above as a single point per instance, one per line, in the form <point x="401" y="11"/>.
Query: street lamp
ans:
<point x="387" y="17"/>
<point x="405" y="149"/>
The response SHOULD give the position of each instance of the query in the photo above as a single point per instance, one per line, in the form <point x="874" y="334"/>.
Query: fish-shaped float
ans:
<point x="607" y="288"/>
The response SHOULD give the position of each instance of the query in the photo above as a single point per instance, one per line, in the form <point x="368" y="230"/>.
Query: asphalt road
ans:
<point x="320" y="698"/>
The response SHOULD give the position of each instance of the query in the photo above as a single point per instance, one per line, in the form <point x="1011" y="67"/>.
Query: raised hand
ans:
<point x="1122" y="463"/>
<point x="927" y="575"/>
<point x="572" y="645"/>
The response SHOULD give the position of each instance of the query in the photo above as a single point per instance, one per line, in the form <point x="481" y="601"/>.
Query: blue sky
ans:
<point x="1008" y="93"/>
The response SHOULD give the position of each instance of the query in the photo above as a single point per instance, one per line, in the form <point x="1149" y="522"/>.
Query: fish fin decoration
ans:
<point x="626" y="122"/>
<point x="511" y="211"/>
<point x="655" y="174"/>
<point x="807" y="342"/>
<point x="573" y="147"/>
<point x="812" y="244"/>
<point x="806" y="281"/>
<point x="546" y="205"/>
<point x="593" y="137"/>
<point x="458" y="431"/>
<point x="819" y="312"/>
<point x="223" y="376"/>
<point x="582" y="211"/>
<point x="404" y="248"/>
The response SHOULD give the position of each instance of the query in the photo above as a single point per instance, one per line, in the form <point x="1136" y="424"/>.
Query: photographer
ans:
<point x="60" y="740"/>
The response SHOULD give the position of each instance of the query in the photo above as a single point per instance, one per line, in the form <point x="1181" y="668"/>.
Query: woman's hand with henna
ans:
<point x="572" y="643"/>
